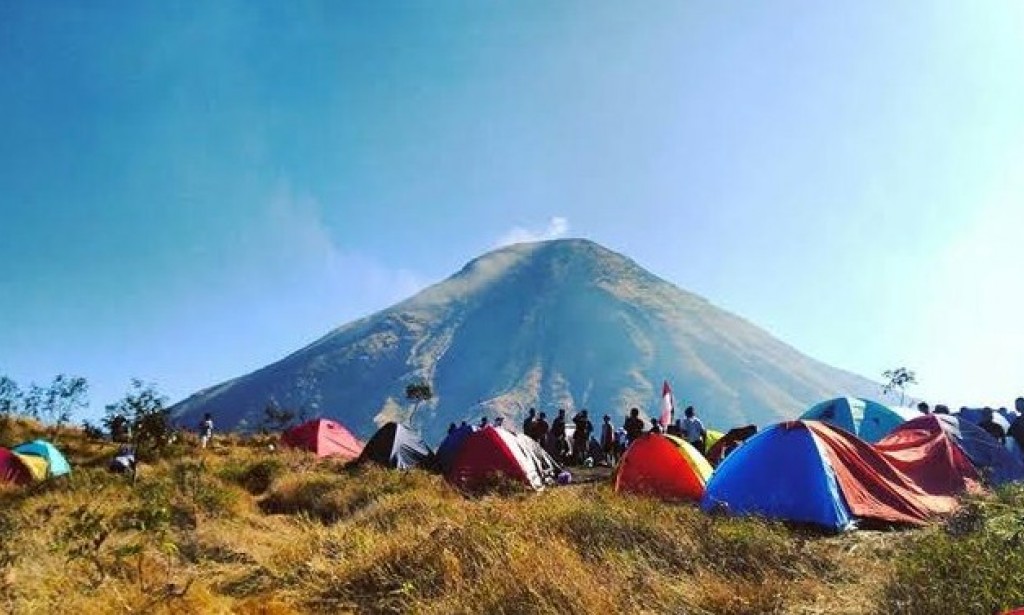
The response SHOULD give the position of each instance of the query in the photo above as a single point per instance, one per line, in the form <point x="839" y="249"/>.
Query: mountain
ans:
<point x="565" y="323"/>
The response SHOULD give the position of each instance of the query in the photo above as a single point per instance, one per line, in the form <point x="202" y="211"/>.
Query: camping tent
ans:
<point x="869" y="420"/>
<point x="55" y="463"/>
<point x="496" y="451"/>
<point x="323" y="437"/>
<point x="450" y="446"/>
<point x="992" y="460"/>
<point x="397" y="446"/>
<point x="711" y="437"/>
<point x="716" y="452"/>
<point x="662" y="466"/>
<point x="808" y="471"/>
<point x="13" y="469"/>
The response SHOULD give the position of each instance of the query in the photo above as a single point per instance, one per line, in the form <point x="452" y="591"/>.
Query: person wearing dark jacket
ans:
<point x="557" y="444"/>
<point x="608" y="440"/>
<point x="541" y="428"/>
<point x="581" y="436"/>
<point x="530" y="423"/>
<point x="634" y="426"/>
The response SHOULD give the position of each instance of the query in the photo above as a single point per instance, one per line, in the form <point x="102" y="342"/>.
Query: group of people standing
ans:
<point x="611" y="443"/>
<point x="553" y="437"/>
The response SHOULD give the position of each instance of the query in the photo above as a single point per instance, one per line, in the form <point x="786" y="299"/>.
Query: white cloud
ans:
<point x="557" y="227"/>
<point x="291" y="242"/>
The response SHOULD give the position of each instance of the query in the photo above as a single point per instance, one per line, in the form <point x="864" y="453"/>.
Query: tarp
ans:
<point x="906" y="480"/>
<point x="450" y="447"/>
<point x="495" y="451"/>
<point x="324" y="438"/>
<point x="780" y="473"/>
<point x="662" y="466"/>
<point x="867" y="419"/>
<point x="711" y="437"/>
<point x="994" y="462"/>
<point x="396" y="446"/>
<point x="57" y="464"/>
<point x="738" y="434"/>
<point x="12" y="469"/>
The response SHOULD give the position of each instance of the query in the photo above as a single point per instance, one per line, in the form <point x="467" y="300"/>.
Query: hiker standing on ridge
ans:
<point x="655" y="425"/>
<point x="206" y="430"/>
<point x="530" y="423"/>
<point x="634" y="426"/>
<point x="693" y="429"/>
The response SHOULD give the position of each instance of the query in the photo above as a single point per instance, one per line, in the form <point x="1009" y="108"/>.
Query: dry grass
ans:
<point x="240" y="529"/>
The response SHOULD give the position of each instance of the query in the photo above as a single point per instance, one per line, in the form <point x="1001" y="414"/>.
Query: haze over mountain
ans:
<point x="564" y="323"/>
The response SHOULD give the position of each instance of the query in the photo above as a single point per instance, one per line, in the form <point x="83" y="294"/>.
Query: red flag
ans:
<point x="666" y="404"/>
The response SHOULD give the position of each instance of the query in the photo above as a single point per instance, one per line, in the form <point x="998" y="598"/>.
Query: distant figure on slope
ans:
<point x="608" y="441"/>
<point x="633" y="425"/>
<point x="693" y="429"/>
<point x="124" y="462"/>
<point x="923" y="408"/>
<point x="206" y="430"/>
<point x="581" y="436"/>
<point x="451" y="428"/>
<point x="530" y="423"/>
<point x="655" y="425"/>
<point x="941" y="409"/>
<point x="483" y="422"/>
<point x="499" y="421"/>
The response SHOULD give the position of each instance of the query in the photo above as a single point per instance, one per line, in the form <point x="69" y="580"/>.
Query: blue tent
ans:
<point x="450" y="446"/>
<point x="868" y="420"/>
<point x="780" y="473"/>
<point x="58" y="465"/>
<point x="994" y="461"/>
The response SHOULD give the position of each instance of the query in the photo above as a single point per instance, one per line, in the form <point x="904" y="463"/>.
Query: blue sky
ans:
<point x="189" y="191"/>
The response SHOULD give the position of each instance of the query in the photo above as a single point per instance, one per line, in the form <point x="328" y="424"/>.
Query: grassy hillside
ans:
<point x="242" y="529"/>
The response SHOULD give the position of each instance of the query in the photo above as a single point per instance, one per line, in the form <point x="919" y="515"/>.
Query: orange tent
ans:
<point x="662" y="466"/>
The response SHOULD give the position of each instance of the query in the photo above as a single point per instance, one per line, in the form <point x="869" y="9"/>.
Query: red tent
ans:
<point x="662" y="466"/>
<point x="12" y="470"/>
<point x="900" y="481"/>
<point x="495" y="451"/>
<point x="325" y="438"/>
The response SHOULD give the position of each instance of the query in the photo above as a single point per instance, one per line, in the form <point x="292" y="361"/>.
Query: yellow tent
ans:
<point x="36" y="465"/>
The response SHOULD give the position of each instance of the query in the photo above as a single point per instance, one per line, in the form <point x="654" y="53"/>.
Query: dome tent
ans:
<point x="808" y="471"/>
<point x="662" y="466"/>
<point x="56" y="464"/>
<point x="396" y="446"/>
<point x="496" y="451"/>
<point x="324" y="438"/>
<point x="994" y="462"/>
<point x="868" y="420"/>
<point x="450" y="446"/>
<point x="12" y="469"/>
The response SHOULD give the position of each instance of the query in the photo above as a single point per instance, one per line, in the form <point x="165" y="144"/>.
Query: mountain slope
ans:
<point x="559" y="323"/>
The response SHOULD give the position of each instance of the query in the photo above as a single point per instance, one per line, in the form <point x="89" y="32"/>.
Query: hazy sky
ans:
<point x="189" y="191"/>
